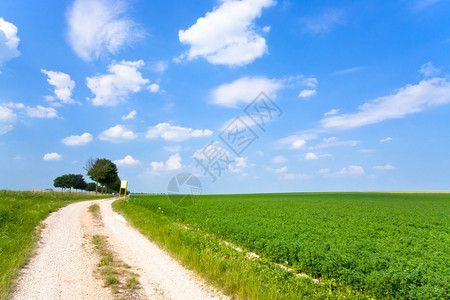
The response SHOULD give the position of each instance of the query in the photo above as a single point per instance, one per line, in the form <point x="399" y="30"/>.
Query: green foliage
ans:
<point x="388" y="245"/>
<point x="103" y="171"/>
<point x="20" y="213"/>
<point x="70" y="181"/>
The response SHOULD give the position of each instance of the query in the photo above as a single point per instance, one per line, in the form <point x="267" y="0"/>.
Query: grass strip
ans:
<point x="115" y="274"/>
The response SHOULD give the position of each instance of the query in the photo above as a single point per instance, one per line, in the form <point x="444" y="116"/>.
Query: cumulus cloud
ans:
<point x="297" y="144"/>
<point x="41" y="112"/>
<point x="352" y="170"/>
<point x="117" y="134"/>
<point x="307" y="93"/>
<point x="7" y="119"/>
<point x="240" y="164"/>
<point x="130" y="116"/>
<point x="311" y="156"/>
<point x="173" y="163"/>
<point x="127" y="161"/>
<point x="9" y="41"/>
<point x="325" y="22"/>
<point x="244" y="90"/>
<point x="388" y="139"/>
<point x="63" y="86"/>
<point x="124" y="79"/>
<point x="52" y="156"/>
<point x="98" y="27"/>
<point x="175" y="133"/>
<point x="324" y="171"/>
<point x="228" y="35"/>
<point x="384" y="168"/>
<point x="407" y="100"/>
<point x="154" y="88"/>
<point x="77" y="140"/>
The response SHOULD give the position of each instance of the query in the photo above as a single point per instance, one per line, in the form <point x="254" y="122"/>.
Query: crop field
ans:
<point x="20" y="213"/>
<point x="360" y="245"/>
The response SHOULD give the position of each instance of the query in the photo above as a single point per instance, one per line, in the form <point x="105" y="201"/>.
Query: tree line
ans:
<point x="101" y="170"/>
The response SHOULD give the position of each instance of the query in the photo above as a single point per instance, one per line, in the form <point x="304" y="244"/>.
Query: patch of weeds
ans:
<point x="115" y="274"/>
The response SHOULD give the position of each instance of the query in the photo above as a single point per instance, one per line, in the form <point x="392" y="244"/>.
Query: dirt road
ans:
<point x="64" y="266"/>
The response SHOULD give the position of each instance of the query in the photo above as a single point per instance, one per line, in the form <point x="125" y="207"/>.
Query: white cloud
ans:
<point x="307" y="93"/>
<point x="352" y="170"/>
<point x="77" y="140"/>
<point x="7" y="119"/>
<point x="331" y="112"/>
<point x="388" y="139"/>
<point x="311" y="156"/>
<point x="245" y="90"/>
<point x="117" y="134"/>
<point x="428" y="69"/>
<point x="63" y="86"/>
<point x="52" y="156"/>
<point x="154" y="88"/>
<point x="407" y="100"/>
<point x="297" y="144"/>
<point x="227" y="35"/>
<point x="277" y="171"/>
<point x="127" y="161"/>
<point x="384" y="168"/>
<point x="175" y="133"/>
<point x="41" y="112"/>
<point x="279" y="159"/>
<point x="324" y="171"/>
<point x="323" y="23"/>
<point x="130" y="116"/>
<point x="98" y="27"/>
<point x="310" y="82"/>
<point x="9" y="41"/>
<point x="173" y="163"/>
<point x="124" y="78"/>
<point x="241" y="163"/>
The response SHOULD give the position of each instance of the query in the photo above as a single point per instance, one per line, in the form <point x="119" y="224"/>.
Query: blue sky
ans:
<point x="362" y="88"/>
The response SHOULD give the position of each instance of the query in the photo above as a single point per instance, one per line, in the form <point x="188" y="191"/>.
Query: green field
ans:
<point x="20" y="214"/>
<point x="380" y="245"/>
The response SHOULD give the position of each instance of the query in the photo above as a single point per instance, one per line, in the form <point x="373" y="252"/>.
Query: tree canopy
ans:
<point x="70" y="181"/>
<point x="103" y="171"/>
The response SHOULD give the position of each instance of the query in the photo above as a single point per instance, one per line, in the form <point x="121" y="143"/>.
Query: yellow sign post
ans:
<point x="123" y="185"/>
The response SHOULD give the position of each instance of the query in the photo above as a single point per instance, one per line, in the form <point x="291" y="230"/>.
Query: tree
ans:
<point x="102" y="171"/>
<point x="91" y="186"/>
<point x="58" y="182"/>
<point x="69" y="181"/>
<point x="78" y="182"/>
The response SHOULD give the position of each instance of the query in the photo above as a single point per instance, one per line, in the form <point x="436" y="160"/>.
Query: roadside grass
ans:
<point x="229" y="270"/>
<point x="115" y="274"/>
<point x="20" y="217"/>
<point x="359" y="245"/>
